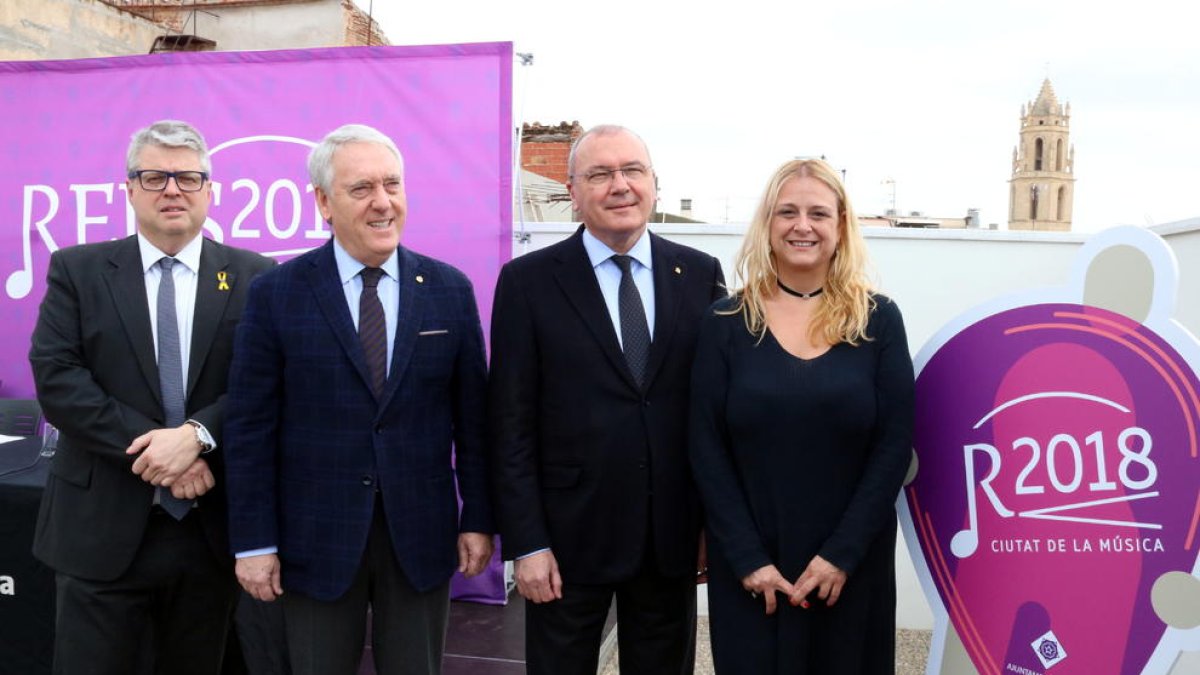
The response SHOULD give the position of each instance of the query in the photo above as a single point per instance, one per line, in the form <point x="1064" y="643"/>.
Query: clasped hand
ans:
<point x="821" y="576"/>
<point x="171" y="458"/>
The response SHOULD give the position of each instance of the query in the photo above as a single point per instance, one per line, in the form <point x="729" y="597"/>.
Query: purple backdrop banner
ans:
<point x="66" y="126"/>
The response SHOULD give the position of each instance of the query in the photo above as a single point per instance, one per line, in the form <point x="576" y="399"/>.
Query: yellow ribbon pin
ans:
<point x="222" y="279"/>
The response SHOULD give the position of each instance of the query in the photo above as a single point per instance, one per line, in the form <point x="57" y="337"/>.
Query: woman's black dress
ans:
<point x="796" y="458"/>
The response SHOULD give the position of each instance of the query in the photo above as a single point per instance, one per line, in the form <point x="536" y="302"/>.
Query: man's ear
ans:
<point x="322" y="203"/>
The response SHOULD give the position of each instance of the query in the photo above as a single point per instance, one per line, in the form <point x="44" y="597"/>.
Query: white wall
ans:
<point x="70" y="29"/>
<point x="319" y="23"/>
<point x="1184" y="240"/>
<point x="935" y="275"/>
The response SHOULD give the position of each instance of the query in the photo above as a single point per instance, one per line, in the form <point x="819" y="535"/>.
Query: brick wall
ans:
<point x="174" y="15"/>
<point x="546" y="148"/>
<point x="361" y="29"/>
<point x="546" y="159"/>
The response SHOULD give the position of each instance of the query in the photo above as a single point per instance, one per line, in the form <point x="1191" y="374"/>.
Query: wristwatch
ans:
<point x="203" y="439"/>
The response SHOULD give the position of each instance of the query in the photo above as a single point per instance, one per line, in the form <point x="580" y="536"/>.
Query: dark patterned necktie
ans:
<point x="170" y="373"/>
<point x="372" y="327"/>
<point x="635" y="333"/>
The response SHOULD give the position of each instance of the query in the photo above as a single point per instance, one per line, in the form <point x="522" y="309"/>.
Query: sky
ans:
<point x="925" y="94"/>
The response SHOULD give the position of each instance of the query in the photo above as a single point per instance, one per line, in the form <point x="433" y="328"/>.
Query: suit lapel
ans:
<point x="669" y="273"/>
<point x="214" y="284"/>
<point x="127" y="284"/>
<point x="578" y="282"/>
<point x="412" y="307"/>
<point x="327" y="287"/>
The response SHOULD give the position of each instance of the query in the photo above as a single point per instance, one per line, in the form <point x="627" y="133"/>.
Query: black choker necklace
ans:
<point x="796" y="293"/>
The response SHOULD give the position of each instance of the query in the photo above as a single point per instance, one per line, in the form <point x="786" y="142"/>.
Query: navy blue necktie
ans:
<point x="170" y="374"/>
<point x="635" y="332"/>
<point x="372" y="327"/>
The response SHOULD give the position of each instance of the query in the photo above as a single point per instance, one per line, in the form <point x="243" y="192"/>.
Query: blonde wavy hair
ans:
<point x="847" y="305"/>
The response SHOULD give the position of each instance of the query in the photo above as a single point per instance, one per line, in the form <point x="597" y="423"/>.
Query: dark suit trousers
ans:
<point x="656" y="626"/>
<point x="408" y="629"/>
<point x="261" y="637"/>
<point x="175" y="592"/>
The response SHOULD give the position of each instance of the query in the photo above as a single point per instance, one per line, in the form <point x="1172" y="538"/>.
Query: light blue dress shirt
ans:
<point x="609" y="276"/>
<point x="389" y="290"/>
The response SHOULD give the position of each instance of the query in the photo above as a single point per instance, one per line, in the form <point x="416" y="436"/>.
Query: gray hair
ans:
<point x="600" y="130"/>
<point x="320" y="160"/>
<point x="167" y="134"/>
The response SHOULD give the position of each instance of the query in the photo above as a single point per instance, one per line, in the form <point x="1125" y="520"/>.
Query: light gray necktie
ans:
<point x="170" y="374"/>
<point x="635" y="332"/>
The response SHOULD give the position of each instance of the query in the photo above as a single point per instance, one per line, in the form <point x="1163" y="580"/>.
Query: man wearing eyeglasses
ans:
<point x="592" y="344"/>
<point x="130" y="355"/>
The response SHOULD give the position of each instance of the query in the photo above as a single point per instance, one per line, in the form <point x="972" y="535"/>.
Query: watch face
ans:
<point x="205" y="446"/>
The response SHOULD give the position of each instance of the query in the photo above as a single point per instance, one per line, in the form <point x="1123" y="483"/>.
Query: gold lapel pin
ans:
<point x="222" y="281"/>
<point x="678" y="271"/>
<point x="420" y="279"/>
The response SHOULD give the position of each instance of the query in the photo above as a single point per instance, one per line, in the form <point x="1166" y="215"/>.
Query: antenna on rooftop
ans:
<point x="370" y="20"/>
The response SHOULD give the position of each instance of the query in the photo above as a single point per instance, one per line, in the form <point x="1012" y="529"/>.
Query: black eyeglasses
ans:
<point x="156" y="181"/>
<point x="632" y="173"/>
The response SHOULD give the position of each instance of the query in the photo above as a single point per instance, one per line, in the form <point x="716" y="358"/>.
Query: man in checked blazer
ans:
<point x="589" y="455"/>
<point x="99" y="352"/>
<point x="358" y="367"/>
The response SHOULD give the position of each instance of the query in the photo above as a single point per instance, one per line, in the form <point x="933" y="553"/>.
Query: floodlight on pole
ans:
<point x="521" y="235"/>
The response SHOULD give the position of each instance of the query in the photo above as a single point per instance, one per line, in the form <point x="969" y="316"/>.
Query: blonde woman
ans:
<point x="801" y="425"/>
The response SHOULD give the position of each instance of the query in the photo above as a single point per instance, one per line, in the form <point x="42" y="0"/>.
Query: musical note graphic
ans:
<point x="966" y="541"/>
<point x="19" y="283"/>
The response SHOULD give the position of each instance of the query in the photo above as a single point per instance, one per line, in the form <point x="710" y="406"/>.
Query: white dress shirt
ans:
<point x="185" y="275"/>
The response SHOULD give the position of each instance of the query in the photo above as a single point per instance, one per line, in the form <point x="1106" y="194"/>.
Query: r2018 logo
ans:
<point x="1057" y="444"/>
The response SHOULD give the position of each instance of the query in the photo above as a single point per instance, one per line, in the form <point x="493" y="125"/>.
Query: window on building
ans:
<point x="1037" y="155"/>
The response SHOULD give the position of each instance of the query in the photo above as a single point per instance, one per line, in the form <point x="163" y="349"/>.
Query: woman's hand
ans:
<point x="821" y="576"/>
<point x="766" y="581"/>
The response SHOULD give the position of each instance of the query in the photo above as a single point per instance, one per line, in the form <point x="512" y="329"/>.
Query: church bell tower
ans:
<point x="1042" y="187"/>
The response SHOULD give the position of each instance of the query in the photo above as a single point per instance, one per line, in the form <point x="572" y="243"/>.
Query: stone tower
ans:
<point x="1042" y="187"/>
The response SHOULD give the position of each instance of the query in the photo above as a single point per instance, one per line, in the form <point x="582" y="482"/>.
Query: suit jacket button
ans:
<point x="368" y="481"/>
<point x="379" y="429"/>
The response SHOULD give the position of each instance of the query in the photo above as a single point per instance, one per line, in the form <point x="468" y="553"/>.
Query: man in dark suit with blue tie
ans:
<point x="359" y="367"/>
<point x="592" y="345"/>
<point x="130" y="356"/>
